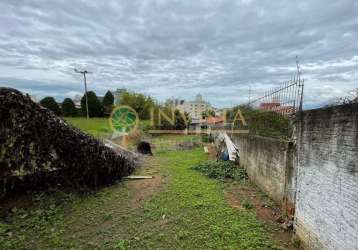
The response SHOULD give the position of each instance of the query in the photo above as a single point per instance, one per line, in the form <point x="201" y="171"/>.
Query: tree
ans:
<point x="95" y="108"/>
<point x="51" y="104"/>
<point x="177" y="120"/>
<point x="69" y="108"/>
<point x="208" y="113"/>
<point x="142" y="104"/>
<point x="181" y="119"/>
<point x="107" y="102"/>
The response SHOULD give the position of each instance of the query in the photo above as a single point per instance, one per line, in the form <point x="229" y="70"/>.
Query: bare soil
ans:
<point x="144" y="188"/>
<point x="266" y="210"/>
<point x="14" y="202"/>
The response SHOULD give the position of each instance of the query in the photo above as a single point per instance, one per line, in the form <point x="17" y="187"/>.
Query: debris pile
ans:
<point x="39" y="148"/>
<point x="144" y="147"/>
<point x="226" y="149"/>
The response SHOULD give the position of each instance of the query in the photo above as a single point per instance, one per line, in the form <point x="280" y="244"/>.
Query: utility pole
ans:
<point x="84" y="72"/>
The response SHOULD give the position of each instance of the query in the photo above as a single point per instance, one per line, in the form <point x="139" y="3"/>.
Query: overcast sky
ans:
<point x="180" y="48"/>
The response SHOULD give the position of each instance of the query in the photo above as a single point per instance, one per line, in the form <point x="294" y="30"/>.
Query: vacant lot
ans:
<point x="178" y="209"/>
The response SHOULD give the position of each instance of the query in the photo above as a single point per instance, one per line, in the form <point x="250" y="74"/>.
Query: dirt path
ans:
<point x="142" y="189"/>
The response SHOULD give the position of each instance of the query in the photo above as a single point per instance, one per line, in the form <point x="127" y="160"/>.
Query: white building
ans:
<point x="195" y="108"/>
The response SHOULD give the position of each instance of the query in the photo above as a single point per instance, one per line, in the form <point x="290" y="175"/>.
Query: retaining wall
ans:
<point x="270" y="163"/>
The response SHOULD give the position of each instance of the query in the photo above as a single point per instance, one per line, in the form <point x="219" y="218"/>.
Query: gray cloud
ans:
<point x="178" y="48"/>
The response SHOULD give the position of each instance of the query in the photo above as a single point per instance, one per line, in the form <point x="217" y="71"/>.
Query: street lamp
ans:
<point x="84" y="72"/>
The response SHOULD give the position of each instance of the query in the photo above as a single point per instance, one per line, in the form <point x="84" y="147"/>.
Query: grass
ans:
<point x="247" y="204"/>
<point x="198" y="214"/>
<point x="98" y="127"/>
<point x="189" y="211"/>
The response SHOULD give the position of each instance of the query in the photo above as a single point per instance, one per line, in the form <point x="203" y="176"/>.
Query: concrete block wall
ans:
<point x="327" y="183"/>
<point x="315" y="178"/>
<point x="270" y="164"/>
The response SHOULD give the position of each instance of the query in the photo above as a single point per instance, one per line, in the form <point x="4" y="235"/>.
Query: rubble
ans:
<point x="39" y="148"/>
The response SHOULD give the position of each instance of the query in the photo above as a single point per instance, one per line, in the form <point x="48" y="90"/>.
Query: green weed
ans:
<point x="221" y="170"/>
<point x="247" y="204"/>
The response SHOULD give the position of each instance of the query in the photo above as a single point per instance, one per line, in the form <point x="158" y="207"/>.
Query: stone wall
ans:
<point x="327" y="184"/>
<point x="39" y="148"/>
<point x="270" y="163"/>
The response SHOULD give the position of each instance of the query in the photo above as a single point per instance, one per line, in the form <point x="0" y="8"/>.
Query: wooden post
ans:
<point x="125" y="140"/>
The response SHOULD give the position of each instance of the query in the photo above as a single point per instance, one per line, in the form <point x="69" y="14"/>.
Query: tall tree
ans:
<point x="177" y="120"/>
<point x="51" y="104"/>
<point x="95" y="108"/>
<point x="181" y="120"/>
<point x="140" y="103"/>
<point x="108" y="102"/>
<point x="69" y="108"/>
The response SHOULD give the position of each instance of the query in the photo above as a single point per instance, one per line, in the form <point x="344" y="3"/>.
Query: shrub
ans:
<point x="207" y="138"/>
<point x="221" y="170"/>
<point x="262" y="122"/>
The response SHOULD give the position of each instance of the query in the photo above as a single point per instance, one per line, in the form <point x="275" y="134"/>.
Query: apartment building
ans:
<point x="195" y="108"/>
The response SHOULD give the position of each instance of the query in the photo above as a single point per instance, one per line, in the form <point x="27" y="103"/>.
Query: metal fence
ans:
<point x="274" y="110"/>
<point x="285" y="100"/>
